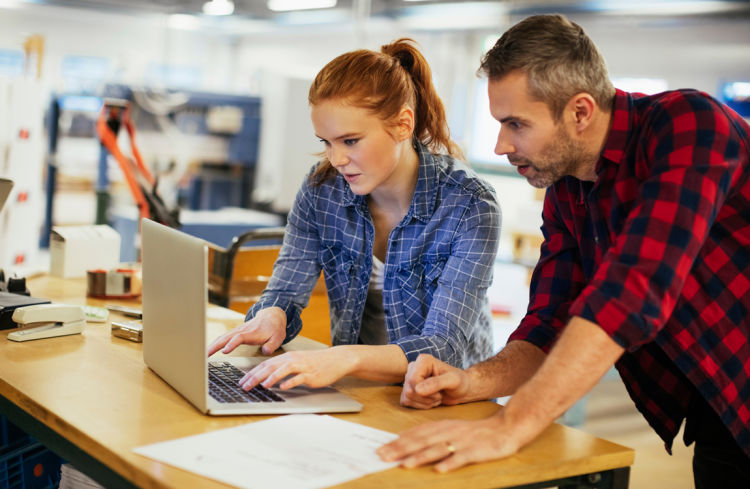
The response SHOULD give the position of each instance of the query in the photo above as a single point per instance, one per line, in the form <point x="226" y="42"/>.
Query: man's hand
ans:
<point x="267" y="328"/>
<point x="452" y="443"/>
<point x="430" y="382"/>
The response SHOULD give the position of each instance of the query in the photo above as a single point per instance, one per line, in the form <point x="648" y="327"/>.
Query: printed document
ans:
<point x="305" y="451"/>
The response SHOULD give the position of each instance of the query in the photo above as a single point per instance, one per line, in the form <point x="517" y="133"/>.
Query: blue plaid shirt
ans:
<point x="438" y="264"/>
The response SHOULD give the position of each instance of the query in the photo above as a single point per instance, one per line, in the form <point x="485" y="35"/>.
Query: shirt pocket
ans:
<point x="417" y="282"/>
<point x="337" y="266"/>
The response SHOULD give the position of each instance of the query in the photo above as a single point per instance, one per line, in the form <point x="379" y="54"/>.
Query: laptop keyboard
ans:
<point x="223" y="378"/>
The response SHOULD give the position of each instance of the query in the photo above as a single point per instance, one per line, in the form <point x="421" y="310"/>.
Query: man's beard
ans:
<point x="561" y="157"/>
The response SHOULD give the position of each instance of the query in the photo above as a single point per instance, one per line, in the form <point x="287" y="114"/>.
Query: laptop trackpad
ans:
<point x="302" y="390"/>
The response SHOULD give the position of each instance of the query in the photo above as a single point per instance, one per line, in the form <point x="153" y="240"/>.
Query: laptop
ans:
<point x="175" y="297"/>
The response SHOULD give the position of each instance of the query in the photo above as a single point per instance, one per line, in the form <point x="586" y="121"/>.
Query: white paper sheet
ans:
<point x="305" y="451"/>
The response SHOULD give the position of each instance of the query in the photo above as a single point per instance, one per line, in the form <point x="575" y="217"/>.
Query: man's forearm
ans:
<point x="582" y="355"/>
<point x="504" y="373"/>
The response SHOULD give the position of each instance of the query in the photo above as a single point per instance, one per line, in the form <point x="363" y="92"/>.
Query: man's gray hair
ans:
<point x="558" y="58"/>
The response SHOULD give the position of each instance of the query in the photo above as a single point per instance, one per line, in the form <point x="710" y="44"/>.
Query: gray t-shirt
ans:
<point x="373" y="331"/>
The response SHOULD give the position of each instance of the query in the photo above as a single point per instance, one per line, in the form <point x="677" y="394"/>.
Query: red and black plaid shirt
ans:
<point x="657" y="253"/>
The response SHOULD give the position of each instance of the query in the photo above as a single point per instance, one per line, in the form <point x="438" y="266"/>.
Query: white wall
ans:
<point x="131" y="43"/>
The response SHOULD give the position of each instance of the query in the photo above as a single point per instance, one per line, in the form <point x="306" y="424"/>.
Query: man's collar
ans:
<point x="617" y="138"/>
<point x="425" y="193"/>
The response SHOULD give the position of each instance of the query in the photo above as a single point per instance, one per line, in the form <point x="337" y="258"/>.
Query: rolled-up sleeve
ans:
<point x="460" y="295"/>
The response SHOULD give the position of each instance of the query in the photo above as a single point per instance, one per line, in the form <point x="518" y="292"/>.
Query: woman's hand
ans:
<point x="267" y="329"/>
<point x="313" y="368"/>
<point x="430" y="382"/>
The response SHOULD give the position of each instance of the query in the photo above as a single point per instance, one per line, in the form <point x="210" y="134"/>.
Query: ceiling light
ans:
<point x="454" y="15"/>
<point x="668" y="7"/>
<point x="183" y="22"/>
<point x="218" y="7"/>
<point x="11" y="4"/>
<point x="286" y="5"/>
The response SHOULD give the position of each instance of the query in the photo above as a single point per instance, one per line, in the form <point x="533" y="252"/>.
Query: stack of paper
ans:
<point x="72" y="478"/>
<point x="304" y="451"/>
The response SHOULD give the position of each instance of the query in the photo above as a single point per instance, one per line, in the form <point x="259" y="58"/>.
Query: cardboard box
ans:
<point x="75" y="249"/>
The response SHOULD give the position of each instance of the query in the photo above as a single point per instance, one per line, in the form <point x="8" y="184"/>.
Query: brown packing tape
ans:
<point x="113" y="283"/>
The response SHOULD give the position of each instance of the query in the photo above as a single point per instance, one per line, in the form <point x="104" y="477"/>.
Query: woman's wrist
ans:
<point x="350" y="357"/>
<point x="273" y="315"/>
<point x="272" y="310"/>
<point x="382" y="363"/>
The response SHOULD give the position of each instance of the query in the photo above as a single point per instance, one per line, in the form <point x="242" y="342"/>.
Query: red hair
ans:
<point x="384" y="82"/>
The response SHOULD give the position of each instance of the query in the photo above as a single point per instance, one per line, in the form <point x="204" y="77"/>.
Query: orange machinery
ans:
<point x="142" y="184"/>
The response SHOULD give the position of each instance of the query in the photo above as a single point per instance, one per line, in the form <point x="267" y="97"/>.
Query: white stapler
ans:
<point x="53" y="319"/>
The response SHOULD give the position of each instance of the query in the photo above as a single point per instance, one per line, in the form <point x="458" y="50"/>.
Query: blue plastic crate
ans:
<point x="27" y="464"/>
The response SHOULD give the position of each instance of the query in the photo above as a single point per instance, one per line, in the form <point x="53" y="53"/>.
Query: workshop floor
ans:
<point x="610" y="414"/>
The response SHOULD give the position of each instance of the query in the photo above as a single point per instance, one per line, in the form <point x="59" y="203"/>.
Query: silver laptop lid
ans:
<point x="175" y="294"/>
<point x="175" y="272"/>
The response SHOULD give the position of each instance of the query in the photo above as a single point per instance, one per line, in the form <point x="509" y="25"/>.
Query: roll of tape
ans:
<point x="118" y="283"/>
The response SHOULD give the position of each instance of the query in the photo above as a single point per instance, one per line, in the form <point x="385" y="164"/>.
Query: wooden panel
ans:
<point x="316" y="323"/>
<point x="256" y="260"/>
<point x="253" y="267"/>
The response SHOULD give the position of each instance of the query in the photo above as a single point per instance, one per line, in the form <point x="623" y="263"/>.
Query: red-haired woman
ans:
<point x="405" y="234"/>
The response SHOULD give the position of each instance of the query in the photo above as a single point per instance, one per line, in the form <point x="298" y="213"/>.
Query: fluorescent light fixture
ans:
<point x="218" y="7"/>
<point x="183" y="22"/>
<point x="314" y="17"/>
<point x="11" y="4"/>
<point x="668" y="7"/>
<point x="286" y="5"/>
<point x="454" y="16"/>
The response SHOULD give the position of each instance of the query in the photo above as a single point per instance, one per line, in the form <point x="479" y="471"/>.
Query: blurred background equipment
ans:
<point x="195" y="155"/>
<point x="143" y="186"/>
